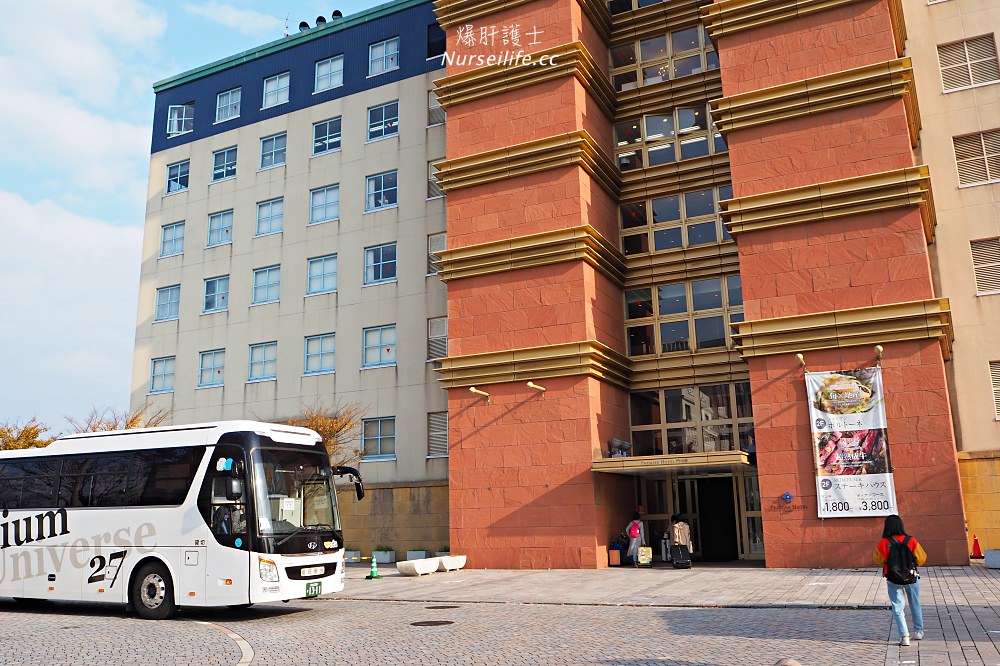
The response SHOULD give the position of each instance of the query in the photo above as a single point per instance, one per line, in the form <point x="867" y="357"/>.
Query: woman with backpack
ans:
<point x="636" y="537"/>
<point x="900" y="555"/>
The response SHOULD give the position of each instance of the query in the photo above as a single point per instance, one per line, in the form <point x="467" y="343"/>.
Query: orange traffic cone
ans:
<point x="977" y="552"/>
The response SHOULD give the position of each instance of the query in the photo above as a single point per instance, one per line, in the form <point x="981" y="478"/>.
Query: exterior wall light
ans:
<point x="535" y="386"/>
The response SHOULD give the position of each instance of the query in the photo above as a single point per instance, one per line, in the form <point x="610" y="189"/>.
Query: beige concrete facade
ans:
<point x="964" y="213"/>
<point x="407" y="390"/>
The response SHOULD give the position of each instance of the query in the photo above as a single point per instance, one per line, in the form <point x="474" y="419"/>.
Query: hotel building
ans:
<point x="652" y="212"/>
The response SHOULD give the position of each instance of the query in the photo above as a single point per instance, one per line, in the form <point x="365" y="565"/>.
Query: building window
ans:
<point x="383" y="56"/>
<point x="161" y="379"/>
<point x="681" y="133"/>
<point x="686" y="219"/>
<point x="436" y="244"/>
<point x="224" y="164"/>
<point x="220" y="228"/>
<point x="969" y="63"/>
<point x="437" y="339"/>
<point x="692" y="419"/>
<point x="437" y="435"/>
<point x="329" y="73"/>
<point x="324" y="204"/>
<point x="379" y="346"/>
<point x="380" y="263"/>
<point x="434" y="190"/>
<point x="276" y="89"/>
<point x="172" y="239"/>
<point x="266" y="284"/>
<point x="263" y="361"/>
<point x="177" y="176"/>
<point x="270" y="215"/>
<point x="381" y="191"/>
<point x="995" y="379"/>
<point x="383" y="121"/>
<point x="180" y="119"/>
<point x="379" y="438"/>
<point x="322" y="275"/>
<point x="437" y="41"/>
<point x="227" y="105"/>
<point x="168" y="303"/>
<point x="683" y="316"/>
<point x="216" y="294"/>
<point x="326" y="136"/>
<point x="211" y="368"/>
<point x="272" y="151"/>
<point x="319" y="354"/>
<point x="978" y="157"/>
<point x="436" y="115"/>
<point x="986" y="264"/>
<point x="661" y="58"/>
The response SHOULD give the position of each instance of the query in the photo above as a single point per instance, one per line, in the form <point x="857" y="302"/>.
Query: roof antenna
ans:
<point x="286" y="25"/>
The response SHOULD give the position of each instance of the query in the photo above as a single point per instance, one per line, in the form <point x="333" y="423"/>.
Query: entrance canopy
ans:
<point x="712" y="462"/>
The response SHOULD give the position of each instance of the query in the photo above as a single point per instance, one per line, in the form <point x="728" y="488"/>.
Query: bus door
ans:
<point x="225" y="504"/>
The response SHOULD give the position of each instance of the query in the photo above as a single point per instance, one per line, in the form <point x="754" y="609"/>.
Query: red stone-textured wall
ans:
<point x="864" y="260"/>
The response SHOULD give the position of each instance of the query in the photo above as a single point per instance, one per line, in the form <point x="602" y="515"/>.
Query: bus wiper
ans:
<point x="304" y="528"/>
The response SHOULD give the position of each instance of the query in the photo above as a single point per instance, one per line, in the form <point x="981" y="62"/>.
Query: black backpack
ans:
<point x="901" y="565"/>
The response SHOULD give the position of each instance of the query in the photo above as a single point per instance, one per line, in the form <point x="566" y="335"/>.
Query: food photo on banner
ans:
<point x="850" y="443"/>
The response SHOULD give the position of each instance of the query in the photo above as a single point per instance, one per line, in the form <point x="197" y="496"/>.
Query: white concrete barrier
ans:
<point x="451" y="562"/>
<point x="418" y="567"/>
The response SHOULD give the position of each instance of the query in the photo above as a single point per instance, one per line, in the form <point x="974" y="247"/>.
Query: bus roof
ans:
<point x="191" y="434"/>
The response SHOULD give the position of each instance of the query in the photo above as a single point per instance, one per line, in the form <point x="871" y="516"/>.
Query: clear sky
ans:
<point x="76" y="108"/>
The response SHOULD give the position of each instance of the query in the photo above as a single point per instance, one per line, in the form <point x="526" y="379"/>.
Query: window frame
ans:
<point x="264" y="347"/>
<point x="186" y="118"/>
<point x="274" y="151"/>
<point x="378" y="264"/>
<point x="323" y="261"/>
<point x="326" y="190"/>
<point x="968" y="63"/>
<point x="990" y="158"/>
<point x="327" y="137"/>
<point x="219" y="106"/>
<point x="434" y="427"/>
<point x="317" y="76"/>
<point x="386" y="124"/>
<point x="278" y="90"/>
<point x="378" y="438"/>
<point x="227" y="165"/>
<point x="168" y="362"/>
<point x="646" y="230"/>
<point x="669" y="57"/>
<point x="387" y="55"/>
<point x="437" y="340"/>
<point x="986" y="265"/>
<point x="215" y="368"/>
<point x="433" y="256"/>
<point x="183" y="174"/>
<point x="270" y="217"/>
<point x="222" y="216"/>
<point x="218" y="295"/>
<point x="171" y="304"/>
<point x="322" y="353"/>
<point x="266" y="272"/>
<point x="380" y="345"/>
<point x="675" y="140"/>
<point x="371" y="194"/>
<point x="174" y="240"/>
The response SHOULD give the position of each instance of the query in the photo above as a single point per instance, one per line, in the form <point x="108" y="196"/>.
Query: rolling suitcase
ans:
<point x="681" y="556"/>
<point x="645" y="556"/>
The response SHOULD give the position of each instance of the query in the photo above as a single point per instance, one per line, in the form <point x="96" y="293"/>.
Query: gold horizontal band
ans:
<point x="829" y="92"/>
<point x="834" y="199"/>
<point x="456" y="12"/>
<point x="576" y="148"/>
<point x="665" y="179"/>
<point x="719" y="460"/>
<point x="728" y="17"/>
<point x="682" y="264"/>
<point x="600" y="16"/>
<point x="665" y="95"/>
<point x="570" y="60"/>
<point x="582" y="243"/>
<point x="685" y="369"/>
<point x="878" y="324"/>
<point x="589" y="358"/>
<point x="656" y="19"/>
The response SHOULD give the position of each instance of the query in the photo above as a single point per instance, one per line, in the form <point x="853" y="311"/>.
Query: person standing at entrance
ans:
<point x="636" y="537"/>
<point x="900" y="555"/>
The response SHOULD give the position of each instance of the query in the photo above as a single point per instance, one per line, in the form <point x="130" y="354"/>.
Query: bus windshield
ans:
<point x="294" y="492"/>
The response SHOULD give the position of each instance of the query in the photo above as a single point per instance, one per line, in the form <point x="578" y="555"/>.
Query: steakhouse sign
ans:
<point x="850" y="443"/>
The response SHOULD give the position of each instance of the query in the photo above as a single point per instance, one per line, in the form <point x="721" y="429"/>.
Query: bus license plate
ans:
<point x="313" y="589"/>
<point x="312" y="571"/>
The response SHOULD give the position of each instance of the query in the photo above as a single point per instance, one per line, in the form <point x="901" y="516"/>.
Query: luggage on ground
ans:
<point x="681" y="556"/>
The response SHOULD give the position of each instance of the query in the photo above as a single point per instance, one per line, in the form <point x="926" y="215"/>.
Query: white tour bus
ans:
<point x="213" y="514"/>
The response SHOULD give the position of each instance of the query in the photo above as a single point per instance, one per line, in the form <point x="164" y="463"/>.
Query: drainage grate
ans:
<point x="440" y="607"/>
<point x="431" y="623"/>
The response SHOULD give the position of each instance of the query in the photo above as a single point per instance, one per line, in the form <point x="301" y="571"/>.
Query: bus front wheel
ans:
<point x="152" y="592"/>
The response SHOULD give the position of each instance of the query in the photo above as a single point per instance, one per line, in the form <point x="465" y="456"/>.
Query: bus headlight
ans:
<point x="268" y="570"/>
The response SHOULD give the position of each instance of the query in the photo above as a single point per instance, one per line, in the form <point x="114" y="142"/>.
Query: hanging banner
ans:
<point x="850" y="444"/>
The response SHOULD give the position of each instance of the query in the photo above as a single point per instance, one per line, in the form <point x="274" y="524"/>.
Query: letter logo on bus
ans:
<point x="32" y="528"/>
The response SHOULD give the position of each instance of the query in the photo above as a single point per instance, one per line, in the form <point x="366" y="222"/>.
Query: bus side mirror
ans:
<point x="234" y="488"/>
<point x="359" y="486"/>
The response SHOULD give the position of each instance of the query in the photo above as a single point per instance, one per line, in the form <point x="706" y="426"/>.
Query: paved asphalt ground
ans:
<point x="705" y="616"/>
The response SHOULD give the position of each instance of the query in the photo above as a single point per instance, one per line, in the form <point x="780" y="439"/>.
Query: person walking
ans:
<point x="900" y="554"/>
<point x="637" y="537"/>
